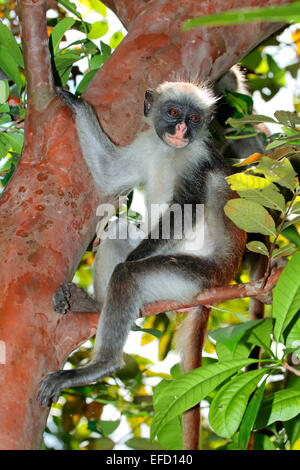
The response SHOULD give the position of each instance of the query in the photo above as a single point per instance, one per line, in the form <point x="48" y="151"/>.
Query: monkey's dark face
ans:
<point x="178" y="123"/>
<point x="178" y="111"/>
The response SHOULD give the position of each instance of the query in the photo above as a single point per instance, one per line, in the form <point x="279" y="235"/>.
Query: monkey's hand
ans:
<point x="54" y="383"/>
<point x="72" y="297"/>
<point x="50" y="388"/>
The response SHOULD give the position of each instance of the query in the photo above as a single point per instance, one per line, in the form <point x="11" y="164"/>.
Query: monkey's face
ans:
<point x="178" y="124"/>
<point x="178" y="112"/>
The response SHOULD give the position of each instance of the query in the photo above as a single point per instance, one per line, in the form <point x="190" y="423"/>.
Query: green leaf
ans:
<point x="250" y="417"/>
<point x="170" y="435"/>
<point x="10" y="67"/>
<point x="286" y="295"/>
<point x="292" y="333"/>
<point x="231" y="335"/>
<point x="108" y="427"/>
<point x="182" y="394"/>
<point x="252" y="60"/>
<point x="284" y="13"/>
<point x="260" y="190"/>
<point x="280" y="172"/>
<point x="250" y="119"/>
<point x="296" y="208"/>
<point x="63" y="61"/>
<point x="282" y="141"/>
<point x="99" y="7"/>
<point x="7" y="39"/>
<point x="286" y="250"/>
<point x="287" y="118"/>
<point x="116" y="39"/>
<point x="292" y="428"/>
<point x="98" y="29"/>
<point x="85" y="81"/>
<point x="4" y="92"/>
<point x="291" y="234"/>
<point x="280" y="406"/>
<point x="260" y="335"/>
<point x="7" y="165"/>
<point x="64" y="75"/>
<point x="14" y="140"/>
<point x="105" y="443"/>
<point x="4" y="108"/>
<point x="176" y="371"/>
<point x="4" y="145"/>
<point x="105" y="49"/>
<point x="58" y="32"/>
<point x="242" y="103"/>
<point x="250" y="216"/>
<point x="289" y="223"/>
<point x="4" y="118"/>
<point x="263" y="442"/>
<point x="141" y="443"/>
<point x="70" y="6"/>
<point x="150" y="331"/>
<point x="225" y="354"/>
<point x="229" y="404"/>
<point x="258" y="247"/>
<point x="273" y="67"/>
<point x="96" y="61"/>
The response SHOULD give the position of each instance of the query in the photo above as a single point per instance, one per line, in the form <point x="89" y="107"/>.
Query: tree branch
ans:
<point x="219" y="294"/>
<point x="156" y="49"/>
<point x="205" y="297"/>
<point x="291" y="369"/>
<point x="38" y="71"/>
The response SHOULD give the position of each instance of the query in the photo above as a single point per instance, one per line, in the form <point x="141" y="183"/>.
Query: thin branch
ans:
<point x="291" y="369"/>
<point x="219" y="294"/>
<point x="38" y="71"/>
<point x="272" y="247"/>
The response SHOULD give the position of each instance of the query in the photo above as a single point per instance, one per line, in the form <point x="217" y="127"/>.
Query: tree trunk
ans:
<point x="47" y="211"/>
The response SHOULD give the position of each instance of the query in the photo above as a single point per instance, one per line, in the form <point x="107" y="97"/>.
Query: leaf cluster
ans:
<point x="241" y="400"/>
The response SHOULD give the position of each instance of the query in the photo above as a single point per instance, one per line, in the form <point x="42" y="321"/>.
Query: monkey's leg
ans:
<point x="121" y="238"/>
<point x="132" y="285"/>
<point x="111" y="252"/>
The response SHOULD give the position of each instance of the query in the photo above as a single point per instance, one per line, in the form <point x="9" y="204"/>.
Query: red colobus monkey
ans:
<point x="177" y="165"/>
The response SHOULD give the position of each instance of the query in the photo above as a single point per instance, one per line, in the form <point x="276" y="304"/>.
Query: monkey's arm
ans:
<point x="114" y="169"/>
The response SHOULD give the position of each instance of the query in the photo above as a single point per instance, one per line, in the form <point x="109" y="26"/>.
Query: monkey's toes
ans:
<point x="59" y="300"/>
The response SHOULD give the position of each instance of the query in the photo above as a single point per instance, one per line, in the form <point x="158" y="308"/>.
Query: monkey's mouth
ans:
<point x="175" y="141"/>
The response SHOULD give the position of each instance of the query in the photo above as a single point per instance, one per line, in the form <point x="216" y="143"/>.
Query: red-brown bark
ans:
<point x="47" y="212"/>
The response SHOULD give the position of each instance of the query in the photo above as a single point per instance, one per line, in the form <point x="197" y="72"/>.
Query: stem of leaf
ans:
<point x="267" y="273"/>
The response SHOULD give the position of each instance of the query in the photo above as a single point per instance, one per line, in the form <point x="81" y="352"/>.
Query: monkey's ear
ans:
<point x="149" y="100"/>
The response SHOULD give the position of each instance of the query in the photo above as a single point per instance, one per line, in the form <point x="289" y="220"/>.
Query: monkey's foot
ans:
<point x="52" y="384"/>
<point x="72" y="297"/>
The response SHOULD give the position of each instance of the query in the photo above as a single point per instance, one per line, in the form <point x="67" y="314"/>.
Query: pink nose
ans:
<point x="181" y="127"/>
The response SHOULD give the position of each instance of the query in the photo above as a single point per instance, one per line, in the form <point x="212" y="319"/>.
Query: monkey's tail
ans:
<point x="190" y="342"/>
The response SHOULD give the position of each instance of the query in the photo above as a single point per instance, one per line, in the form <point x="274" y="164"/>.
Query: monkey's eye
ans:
<point x="173" y="112"/>
<point x="195" y="118"/>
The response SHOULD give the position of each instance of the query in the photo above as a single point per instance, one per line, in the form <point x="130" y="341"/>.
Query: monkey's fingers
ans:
<point x="50" y="388"/>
